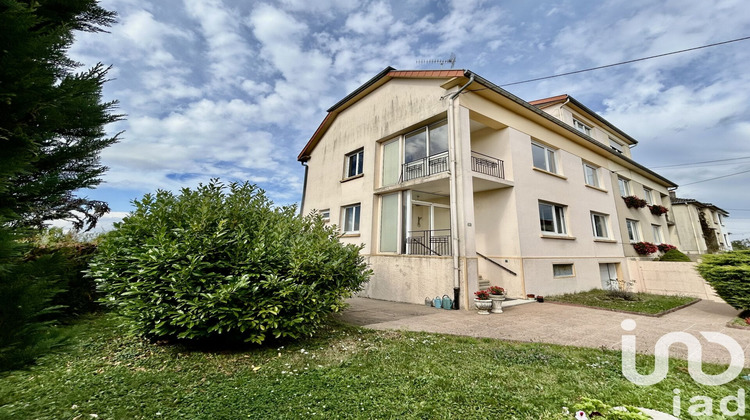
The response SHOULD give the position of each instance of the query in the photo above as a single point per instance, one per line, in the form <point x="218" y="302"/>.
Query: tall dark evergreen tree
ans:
<point x="52" y="118"/>
<point x="52" y="122"/>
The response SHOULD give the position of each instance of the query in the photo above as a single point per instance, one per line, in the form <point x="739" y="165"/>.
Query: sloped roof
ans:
<point x="554" y="100"/>
<point x="686" y="201"/>
<point x="390" y="73"/>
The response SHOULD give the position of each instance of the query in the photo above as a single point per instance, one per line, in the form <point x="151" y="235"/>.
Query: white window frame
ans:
<point x="550" y="158"/>
<point x="594" y="173"/>
<point x="572" y="272"/>
<point x="325" y="214"/>
<point x="558" y="219"/>
<point x="358" y="156"/>
<point x="616" y="145"/>
<point x="624" y="186"/>
<point x="351" y="226"/>
<point x="658" y="237"/>
<point x="605" y="224"/>
<point x="580" y="126"/>
<point x="633" y="229"/>
<point x="647" y="195"/>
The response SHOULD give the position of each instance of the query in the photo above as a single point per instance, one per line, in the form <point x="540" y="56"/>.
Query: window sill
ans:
<point x="597" y="188"/>
<point x="564" y="277"/>
<point x="549" y="173"/>
<point x="605" y="240"/>
<point x="564" y="237"/>
<point x="350" y="235"/>
<point x="352" y="177"/>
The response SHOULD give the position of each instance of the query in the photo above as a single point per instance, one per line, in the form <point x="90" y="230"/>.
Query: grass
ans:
<point x="643" y="303"/>
<point x="345" y="372"/>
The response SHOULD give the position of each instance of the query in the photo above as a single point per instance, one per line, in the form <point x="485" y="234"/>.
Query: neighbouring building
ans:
<point x="700" y="226"/>
<point x="450" y="181"/>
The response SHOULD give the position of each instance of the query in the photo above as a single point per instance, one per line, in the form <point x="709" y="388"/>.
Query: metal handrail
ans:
<point x="498" y="264"/>
<point x="424" y="237"/>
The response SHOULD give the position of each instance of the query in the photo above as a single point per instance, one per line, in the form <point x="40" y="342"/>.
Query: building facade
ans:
<point x="700" y="227"/>
<point x="451" y="182"/>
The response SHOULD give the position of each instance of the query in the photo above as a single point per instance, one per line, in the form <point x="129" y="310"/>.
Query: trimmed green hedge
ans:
<point x="223" y="262"/>
<point x="674" y="255"/>
<point x="729" y="275"/>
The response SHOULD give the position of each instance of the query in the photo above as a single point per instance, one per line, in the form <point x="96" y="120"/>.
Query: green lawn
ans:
<point x="346" y="372"/>
<point x="643" y="303"/>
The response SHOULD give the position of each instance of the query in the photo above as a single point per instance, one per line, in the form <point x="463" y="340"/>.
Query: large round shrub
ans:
<point x="674" y="255"/>
<point x="221" y="261"/>
<point x="729" y="275"/>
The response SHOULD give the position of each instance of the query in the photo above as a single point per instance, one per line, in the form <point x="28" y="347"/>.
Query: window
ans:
<point x="624" y="186"/>
<point x="599" y="223"/>
<point x="583" y="128"/>
<point x="325" y="214"/>
<point x="389" y="232"/>
<point x="427" y="141"/>
<point x="354" y="163"/>
<point x="657" y="234"/>
<point x="351" y="219"/>
<point x="391" y="162"/>
<point x="633" y="234"/>
<point x="562" y="270"/>
<point x="647" y="196"/>
<point x="552" y="218"/>
<point x="591" y="175"/>
<point x="615" y="145"/>
<point x="543" y="157"/>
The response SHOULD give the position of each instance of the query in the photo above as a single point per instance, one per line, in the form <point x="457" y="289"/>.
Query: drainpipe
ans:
<point x="454" y="208"/>
<point x="304" y="185"/>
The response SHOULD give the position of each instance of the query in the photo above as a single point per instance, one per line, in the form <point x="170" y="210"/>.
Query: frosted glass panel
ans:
<point x="389" y="223"/>
<point x="391" y="163"/>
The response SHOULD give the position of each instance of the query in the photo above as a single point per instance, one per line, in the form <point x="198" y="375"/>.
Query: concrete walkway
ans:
<point x="557" y="324"/>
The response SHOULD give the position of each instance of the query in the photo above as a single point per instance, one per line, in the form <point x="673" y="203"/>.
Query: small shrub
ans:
<point x="616" y="294"/>
<point x="644" y="248"/>
<point x="674" y="255"/>
<point x="729" y="275"/>
<point x="223" y="263"/>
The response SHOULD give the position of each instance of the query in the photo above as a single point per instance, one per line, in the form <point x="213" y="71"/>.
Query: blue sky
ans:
<point x="234" y="89"/>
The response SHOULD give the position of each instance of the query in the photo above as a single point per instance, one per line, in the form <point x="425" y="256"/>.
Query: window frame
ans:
<point x="359" y="156"/>
<point x="658" y="236"/>
<point x="648" y="195"/>
<point x="559" y="222"/>
<point x="548" y="151"/>
<point x="356" y="219"/>
<point x="582" y="127"/>
<point x="626" y="182"/>
<point x="620" y="148"/>
<point x="595" y="170"/>
<point x="325" y="214"/>
<point x="605" y="224"/>
<point x="633" y="226"/>
<point x="565" y="275"/>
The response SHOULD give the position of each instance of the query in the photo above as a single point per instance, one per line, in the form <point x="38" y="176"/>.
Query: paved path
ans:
<point x="557" y="324"/>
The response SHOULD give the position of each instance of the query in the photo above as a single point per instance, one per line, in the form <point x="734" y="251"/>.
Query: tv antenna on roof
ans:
<point x="451" y="60"/>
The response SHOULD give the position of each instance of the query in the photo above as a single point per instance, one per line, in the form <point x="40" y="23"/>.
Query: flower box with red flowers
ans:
<point x="496" y="290"/>
<point x="665" y="247"/>
<point x="482" y="294"/>
<point x="645" y="248"/>
<point x="658" y="210"/>
<point x="634" y="202"/>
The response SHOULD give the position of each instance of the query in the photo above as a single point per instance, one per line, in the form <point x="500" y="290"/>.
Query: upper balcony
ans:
<point x="431" y="165"/>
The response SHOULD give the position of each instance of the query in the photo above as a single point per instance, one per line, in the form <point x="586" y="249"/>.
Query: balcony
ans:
<point x="435" y="164"/>
<point x="429" y="242"/>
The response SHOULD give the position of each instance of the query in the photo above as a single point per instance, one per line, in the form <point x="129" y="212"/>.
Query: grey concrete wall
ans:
<point x="670" y="278"/>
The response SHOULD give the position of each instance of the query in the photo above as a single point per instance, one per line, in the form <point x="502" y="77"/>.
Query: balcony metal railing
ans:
<point x="487" y="165"/>
<point x="435" y="164"/>
<point x="429" y="242"/>
<point x="427" y="166"/>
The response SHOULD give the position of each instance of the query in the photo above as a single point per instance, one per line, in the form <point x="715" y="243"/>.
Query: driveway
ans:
<point x="557" y="324"/>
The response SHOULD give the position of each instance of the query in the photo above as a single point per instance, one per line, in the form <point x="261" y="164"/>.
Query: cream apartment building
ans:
<point x="448" y="179"/>
<point x="700" y="227"/>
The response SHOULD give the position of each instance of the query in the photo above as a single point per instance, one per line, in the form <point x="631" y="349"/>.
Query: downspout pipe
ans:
<point x="453" y="180"/>
<point x="304" y="184"/>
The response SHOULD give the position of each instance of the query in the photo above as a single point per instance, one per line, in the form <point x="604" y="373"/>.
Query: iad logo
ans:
<point x="702" y="405"/>
<point x="695" y="357"/>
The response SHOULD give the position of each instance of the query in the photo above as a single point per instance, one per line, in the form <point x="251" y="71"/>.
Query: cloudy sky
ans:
<point x="234" y="89"/>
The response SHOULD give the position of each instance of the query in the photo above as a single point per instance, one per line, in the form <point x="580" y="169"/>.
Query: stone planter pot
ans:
<point x="483" y="306"/>
<point x="497" y="303"/>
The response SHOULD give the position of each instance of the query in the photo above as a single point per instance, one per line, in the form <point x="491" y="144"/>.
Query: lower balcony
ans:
<point x="435" y="164"/>
<point x="429" y="242"/>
